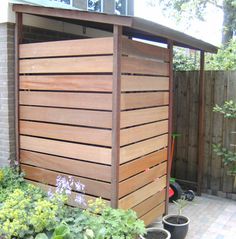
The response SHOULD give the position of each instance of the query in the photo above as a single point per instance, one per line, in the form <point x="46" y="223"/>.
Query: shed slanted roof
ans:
<point x="133" y="26"/>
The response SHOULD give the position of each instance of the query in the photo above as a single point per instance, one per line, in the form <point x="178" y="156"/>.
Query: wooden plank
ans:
<point x="154" y="214"/>
<point x="67" y="100"/>
<point x="143" y="100"/>
<point x="92" y="187"/>
<point x="137" y="150"/>
<point x="140" y="180"/>
<point x="143" y="116"/>
<point x="143" y="193"/>
<point x="66" y="165"/>
<point x="68" y="133"/>
<point x="144" y="83"/>
<point x="144" y="66"/>
<point x="134" y="167"/>
<point x="140" y="49"/>
<point x="71" y="150"/>
<point x="71" y="199"/>
<point x="80" y="47"/>
<point x="134" y="134"/>
<point x="66" y="116"/>
<point x="148" y="204"/>
<point x="95" y="83"/>
<point x="92" y="64"/>
<point x="116" y="95"/>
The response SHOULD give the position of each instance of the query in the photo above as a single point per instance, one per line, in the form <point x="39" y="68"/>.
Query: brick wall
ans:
<point x="7" y="119"/>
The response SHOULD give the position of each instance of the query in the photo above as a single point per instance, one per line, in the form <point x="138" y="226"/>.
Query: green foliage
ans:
<point x="181" y="204"/>
<point x="182" y="61"/>
<point x="225" y="59"/>
<point x="29" y="211"/>
<point x="10" y="179"/>
<point x="229" y="158"/>
<point x="228" y="109"/>
<point x="99" y="221"/>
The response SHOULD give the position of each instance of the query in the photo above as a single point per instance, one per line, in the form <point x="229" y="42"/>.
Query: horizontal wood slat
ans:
<point x="94" y="83"/>
<point x="67" y="116"/>
<point x="93" y="64"/>
<point x="149" y="203"/>
<point x="143" y="116"/>
<point x="139" y="180"/>
<point x="154" y="214"/>
<point x="133" y="151"/>
<point x="93" y="46"/>
<point x="144" y="66"/>
<point x="144" y="83"/>
<point x="143" y="193"/>
<point x="65" y="165"/>
<point x="68" y="100"/>
<point x="134" y="134"/>
<point x="142" y="100"/>
<point x="140" y="49"/>
<point x="92" y="187"/>
<point x="71" y="150"/>
<point x="134" y="167"/>
<point x="68" y="133"/>
<point x="71" y="199"/>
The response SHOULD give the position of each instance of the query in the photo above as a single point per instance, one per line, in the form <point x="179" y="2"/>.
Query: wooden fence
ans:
<point x="66" y="120"/>
<point x="220" y="86"/>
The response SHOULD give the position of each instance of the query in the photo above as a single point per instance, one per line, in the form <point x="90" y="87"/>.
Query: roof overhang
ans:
<point x="133" y="26"/>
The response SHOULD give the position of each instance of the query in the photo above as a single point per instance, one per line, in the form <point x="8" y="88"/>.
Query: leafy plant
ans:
<point x="180" y="204"/>
<point x="228" y="109"/>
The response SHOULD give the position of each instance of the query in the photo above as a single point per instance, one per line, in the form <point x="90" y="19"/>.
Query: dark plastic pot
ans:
<point x="156" y="233"/>
<point x="176" y="225"/>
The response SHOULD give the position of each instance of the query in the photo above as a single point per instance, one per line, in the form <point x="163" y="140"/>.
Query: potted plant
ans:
<point x="177" y="224"/>
<point x="156" y="233"/>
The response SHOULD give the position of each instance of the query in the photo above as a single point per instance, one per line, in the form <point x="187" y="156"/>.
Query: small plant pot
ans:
<point x="156" y="233"/>
<point x="176" y="225"/>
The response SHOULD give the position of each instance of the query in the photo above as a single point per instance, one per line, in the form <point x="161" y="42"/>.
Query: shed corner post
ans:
<point x="170" y="47"/>
<point x="116" y="95"/>
<point x="18" y="40"/>
<point x="201" y="123"/>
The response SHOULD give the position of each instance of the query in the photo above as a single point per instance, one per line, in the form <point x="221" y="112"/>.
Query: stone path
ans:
<point x="211" y="218"/>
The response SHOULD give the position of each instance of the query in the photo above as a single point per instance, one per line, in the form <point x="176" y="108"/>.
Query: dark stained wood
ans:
<point x="91" y="64"/>
<point x="18" y="40"/>
<point x="116" y="95"/>
<point x="141" y="164"/>
<point x="66" y="165"/>
<point x="170" y="47"/>
<point x="201" y="122"/>
<point x="87" y="118"/>
<point x="102" y="83"/>
<point x="81" y="47"/>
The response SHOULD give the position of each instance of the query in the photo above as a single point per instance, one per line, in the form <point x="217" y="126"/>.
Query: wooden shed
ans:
<point x="100" y="109"/>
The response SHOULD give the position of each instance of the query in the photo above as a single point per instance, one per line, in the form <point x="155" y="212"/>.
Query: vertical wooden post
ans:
<point x="201" y="123"/>
<point x="170" y="47"/>
<point x="116" y="94"/>
<point x="18" y="40"/>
